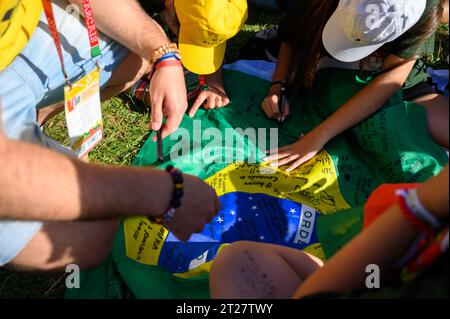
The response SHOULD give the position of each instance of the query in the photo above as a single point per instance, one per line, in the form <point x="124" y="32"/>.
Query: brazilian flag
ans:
<point x="316" y="208"/>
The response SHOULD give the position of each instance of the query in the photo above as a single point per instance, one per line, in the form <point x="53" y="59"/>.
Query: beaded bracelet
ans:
<point x="162" y="50"/>
<point x="177" y="195"/>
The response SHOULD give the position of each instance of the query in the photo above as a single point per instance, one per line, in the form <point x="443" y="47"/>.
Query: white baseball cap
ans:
<point x="360" y="27"/>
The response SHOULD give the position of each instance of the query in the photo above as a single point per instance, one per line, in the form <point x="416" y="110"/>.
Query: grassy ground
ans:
<point x="125" y="133"/>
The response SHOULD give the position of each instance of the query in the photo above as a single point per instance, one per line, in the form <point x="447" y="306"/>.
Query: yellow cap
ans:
<point x="205" y="27"/>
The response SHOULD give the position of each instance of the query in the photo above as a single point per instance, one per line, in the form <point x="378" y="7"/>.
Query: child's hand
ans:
<point x="271" y="106"/>
<point x="213" y="98"/>
<point x="296" y="154"/>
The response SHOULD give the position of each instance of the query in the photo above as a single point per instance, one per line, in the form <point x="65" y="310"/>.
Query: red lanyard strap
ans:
<point x="48" y="9"/>
<point x="90" y="25"/>
<point x="91" y="28"/>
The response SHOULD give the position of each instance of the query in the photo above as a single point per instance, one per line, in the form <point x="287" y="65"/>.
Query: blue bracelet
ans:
<point x="167" y="56"/>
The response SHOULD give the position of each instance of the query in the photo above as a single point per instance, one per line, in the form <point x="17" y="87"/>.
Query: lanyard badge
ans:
<point x="81" y="98"/>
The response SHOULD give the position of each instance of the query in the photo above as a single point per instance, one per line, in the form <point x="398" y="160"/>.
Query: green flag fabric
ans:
<point x="316" y="208"/>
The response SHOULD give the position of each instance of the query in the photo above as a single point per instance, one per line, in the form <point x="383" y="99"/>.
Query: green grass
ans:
<point x="439" y="60"/>
<point x="126" y="131"/>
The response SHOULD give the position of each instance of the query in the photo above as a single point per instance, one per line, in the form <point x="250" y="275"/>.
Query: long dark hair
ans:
<point x="309" y="17"/>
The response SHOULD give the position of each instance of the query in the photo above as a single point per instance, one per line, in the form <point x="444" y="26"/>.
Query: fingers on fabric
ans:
<point x="157" y="114"/>
<point x="197" y="104"/>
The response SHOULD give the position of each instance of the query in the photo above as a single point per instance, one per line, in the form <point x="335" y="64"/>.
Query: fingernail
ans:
<point x="156" y="126"/>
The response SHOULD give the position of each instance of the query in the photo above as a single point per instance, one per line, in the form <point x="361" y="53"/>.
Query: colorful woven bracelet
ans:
<point x="418" y="223"/>
<point x="417" y="208"/>
<point x="177" y="195"/>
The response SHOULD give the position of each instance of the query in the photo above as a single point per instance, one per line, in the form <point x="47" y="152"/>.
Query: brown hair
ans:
<point x="308" y="19"/>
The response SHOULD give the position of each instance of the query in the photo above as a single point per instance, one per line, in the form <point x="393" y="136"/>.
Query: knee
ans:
<point x="130" y="71"/>
<point x="231" y="256"/>
<point x="56" y="246"/>
<point x="96" y="252"/>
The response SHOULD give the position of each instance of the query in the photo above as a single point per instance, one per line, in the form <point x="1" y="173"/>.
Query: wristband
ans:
<point x="167" y="63"/>
<point x="177" y="195"/>
<point x="167" y="56"/>
<point x="282" y="83"/>
<point x="409" y="206"/>
<point x="417" y="208"/>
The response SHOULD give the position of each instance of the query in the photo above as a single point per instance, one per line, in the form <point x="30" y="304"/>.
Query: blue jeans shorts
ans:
<point x="34" y="80"/>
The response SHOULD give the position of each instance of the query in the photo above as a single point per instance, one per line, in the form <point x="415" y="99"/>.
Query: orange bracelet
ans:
<point x="168" y="63"/>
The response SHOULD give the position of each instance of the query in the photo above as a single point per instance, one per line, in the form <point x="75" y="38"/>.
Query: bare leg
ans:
<point x="47" y="113"/>
<point x="259" y="271"/>
<point x="57" y="245"/>
<point x="444" y="18"/>
<point x="128" y="72"/>
<point x="437" y="113"/>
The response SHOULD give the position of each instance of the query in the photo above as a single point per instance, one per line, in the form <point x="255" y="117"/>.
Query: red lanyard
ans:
<point x="90" y="25"/>
<point x="92" y="30"/>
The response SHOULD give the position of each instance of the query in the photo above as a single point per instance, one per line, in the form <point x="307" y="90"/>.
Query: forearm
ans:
<point x="365" y="103"/>
<point x="127" y="23"/>
<point x="284" y="64"/>
<point x="38" y="184"/>
<point x="346" y="271"/>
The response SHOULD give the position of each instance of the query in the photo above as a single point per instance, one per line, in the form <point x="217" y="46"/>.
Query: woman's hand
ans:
<point x="298" y="153"/>
<point x="271" y="103"/>
<point x="212" y="98"/>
